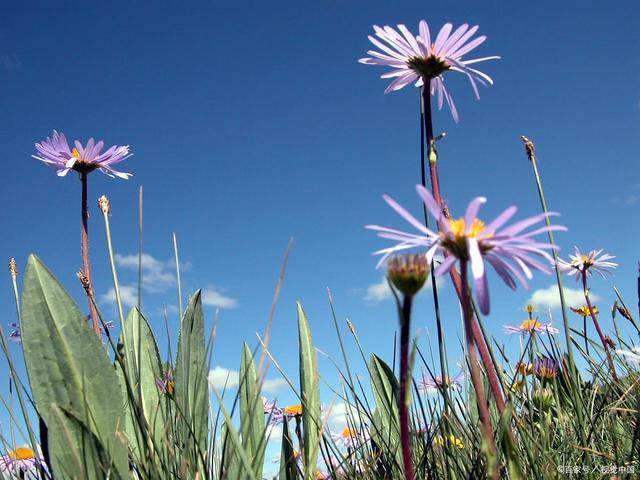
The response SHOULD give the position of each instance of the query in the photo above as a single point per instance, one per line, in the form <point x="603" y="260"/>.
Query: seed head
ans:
<point x="103" y="203"/>
<point x="530" y="148"/>
<point x="13" y="268"/>
<point x="408" y="273"/>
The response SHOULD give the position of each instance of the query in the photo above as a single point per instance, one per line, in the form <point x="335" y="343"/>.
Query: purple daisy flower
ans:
<point x="529" y="326"/>
<point x="56" y="153"/>
<point x="594" y="261"/>
<point x="20" y="461"/>
<point x="508" y="250"/>
<point x="435" y="384"/>
<point x="546" y="368"/>
<point x="166" y="384"/>
<point x="349" y="437"/>
<point x="414" y="58"/>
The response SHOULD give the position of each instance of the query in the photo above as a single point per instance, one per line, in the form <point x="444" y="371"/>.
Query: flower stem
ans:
<point x="405" y="384"/>
<point x="477" y="335"/>
<point x="476" y="380"/>
<point x="597" y="325"/>
<point x="86" y="268"/>
<point x="427" y="127"/>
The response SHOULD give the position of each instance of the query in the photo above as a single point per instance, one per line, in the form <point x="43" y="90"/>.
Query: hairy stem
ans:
<point x="405" y="384"/>
<point x="86" y="268"/>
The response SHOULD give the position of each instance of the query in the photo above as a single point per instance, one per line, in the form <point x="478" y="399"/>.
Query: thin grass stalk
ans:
<point x="177" y="259"/>
<point x="86" y="267"/>
<point x="531" y="155"/>
<point x="140" y="238"/>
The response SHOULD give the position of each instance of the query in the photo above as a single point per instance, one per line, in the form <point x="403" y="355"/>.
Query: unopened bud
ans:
<point x="103" y="203"/>
<point x="408" y="273"/>
<point x="624" y="312"/>
<point x="543" y="397"/>
<point x="13" y="268"/>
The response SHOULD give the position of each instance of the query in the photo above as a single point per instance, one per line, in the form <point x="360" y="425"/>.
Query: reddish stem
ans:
<point x="476" y="380"/>
<point x="597" y="325"/>
<point x="483" y="349"/>
<point x="404" y="385"/>
<point x="86" y="269"/>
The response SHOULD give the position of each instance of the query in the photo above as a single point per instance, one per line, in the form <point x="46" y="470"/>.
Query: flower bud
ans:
<point x="408" y="273"/>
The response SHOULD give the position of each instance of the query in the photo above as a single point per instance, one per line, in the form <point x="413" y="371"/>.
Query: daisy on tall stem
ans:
<point x="424" y="60"/>
<point x="582" y="266"/>
<point x="474" y="245"/>
<point x="56" y="153"/>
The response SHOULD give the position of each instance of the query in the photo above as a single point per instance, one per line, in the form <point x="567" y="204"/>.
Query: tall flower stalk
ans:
<point x="56" y="153"/>
<point x="424" y="60"/>
<point x="408" y="275"/>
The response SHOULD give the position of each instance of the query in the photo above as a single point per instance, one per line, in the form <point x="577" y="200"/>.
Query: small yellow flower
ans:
<point x="530" y="309"/>
<point x="293" y="410"/>
<point x="517" y="387"/>
<point x="524" y="368"/>
<point x="451" y="441"/>
<point x="583" y="310"/>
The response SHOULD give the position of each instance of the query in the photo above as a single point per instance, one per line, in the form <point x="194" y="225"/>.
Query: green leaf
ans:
<point x="288" y="468"/>
<point x="252" y="425"/>
<point x="310" y="395"/>
<point x="191" y="387"/>
<point x="67" y="364"/>
<point x="142" y="361"/>
<point x="386" y="418"/>
<point x="77" y="452"/>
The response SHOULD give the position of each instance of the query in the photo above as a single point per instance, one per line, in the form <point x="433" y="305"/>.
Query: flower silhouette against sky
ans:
<point x="56" y="153"/>
<point x="594" y="261"/>
<point x="509" y="250"/>
<point x="413" y="59"/>
<point x="529" y="326"/>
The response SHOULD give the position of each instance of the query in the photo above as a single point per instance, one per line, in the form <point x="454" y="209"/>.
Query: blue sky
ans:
<point x="253" y="123"/>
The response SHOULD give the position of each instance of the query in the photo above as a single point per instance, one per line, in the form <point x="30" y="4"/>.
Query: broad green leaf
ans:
<point x="310" y="395"/>
<point x="142" y="361"/>
<point x="67" y="364"/>
<point x="288" y="467"/>
<point x="77" y="452"/>
<point x="386" y="418"/>
<point x="252" y="425"/>
<point x="191" y="387"/>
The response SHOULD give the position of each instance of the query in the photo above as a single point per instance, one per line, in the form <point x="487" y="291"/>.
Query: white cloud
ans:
<point x="274" y="433"/>
<point x="128" y="295"/>
<point x="213" y="297"/>
<point x="377" y="292"/>
<point x="549" y="298"/>
<point x="340" y="415"/>
<point x="157" y="276"/>
<point x="274" y="385"/>
<point x="220" y="377"/>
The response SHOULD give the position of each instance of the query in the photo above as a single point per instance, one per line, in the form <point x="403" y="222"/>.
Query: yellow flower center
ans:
<point x="293" y="410"/>
<point x="22" y="453"/>
<point x="75" y="153"/>
<point x="530" y="325"/>
<point x="583" y="310"/>
<point x="348" y="433"/>
<point x="458" y="228"/>
<point x="451" y="441"/>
